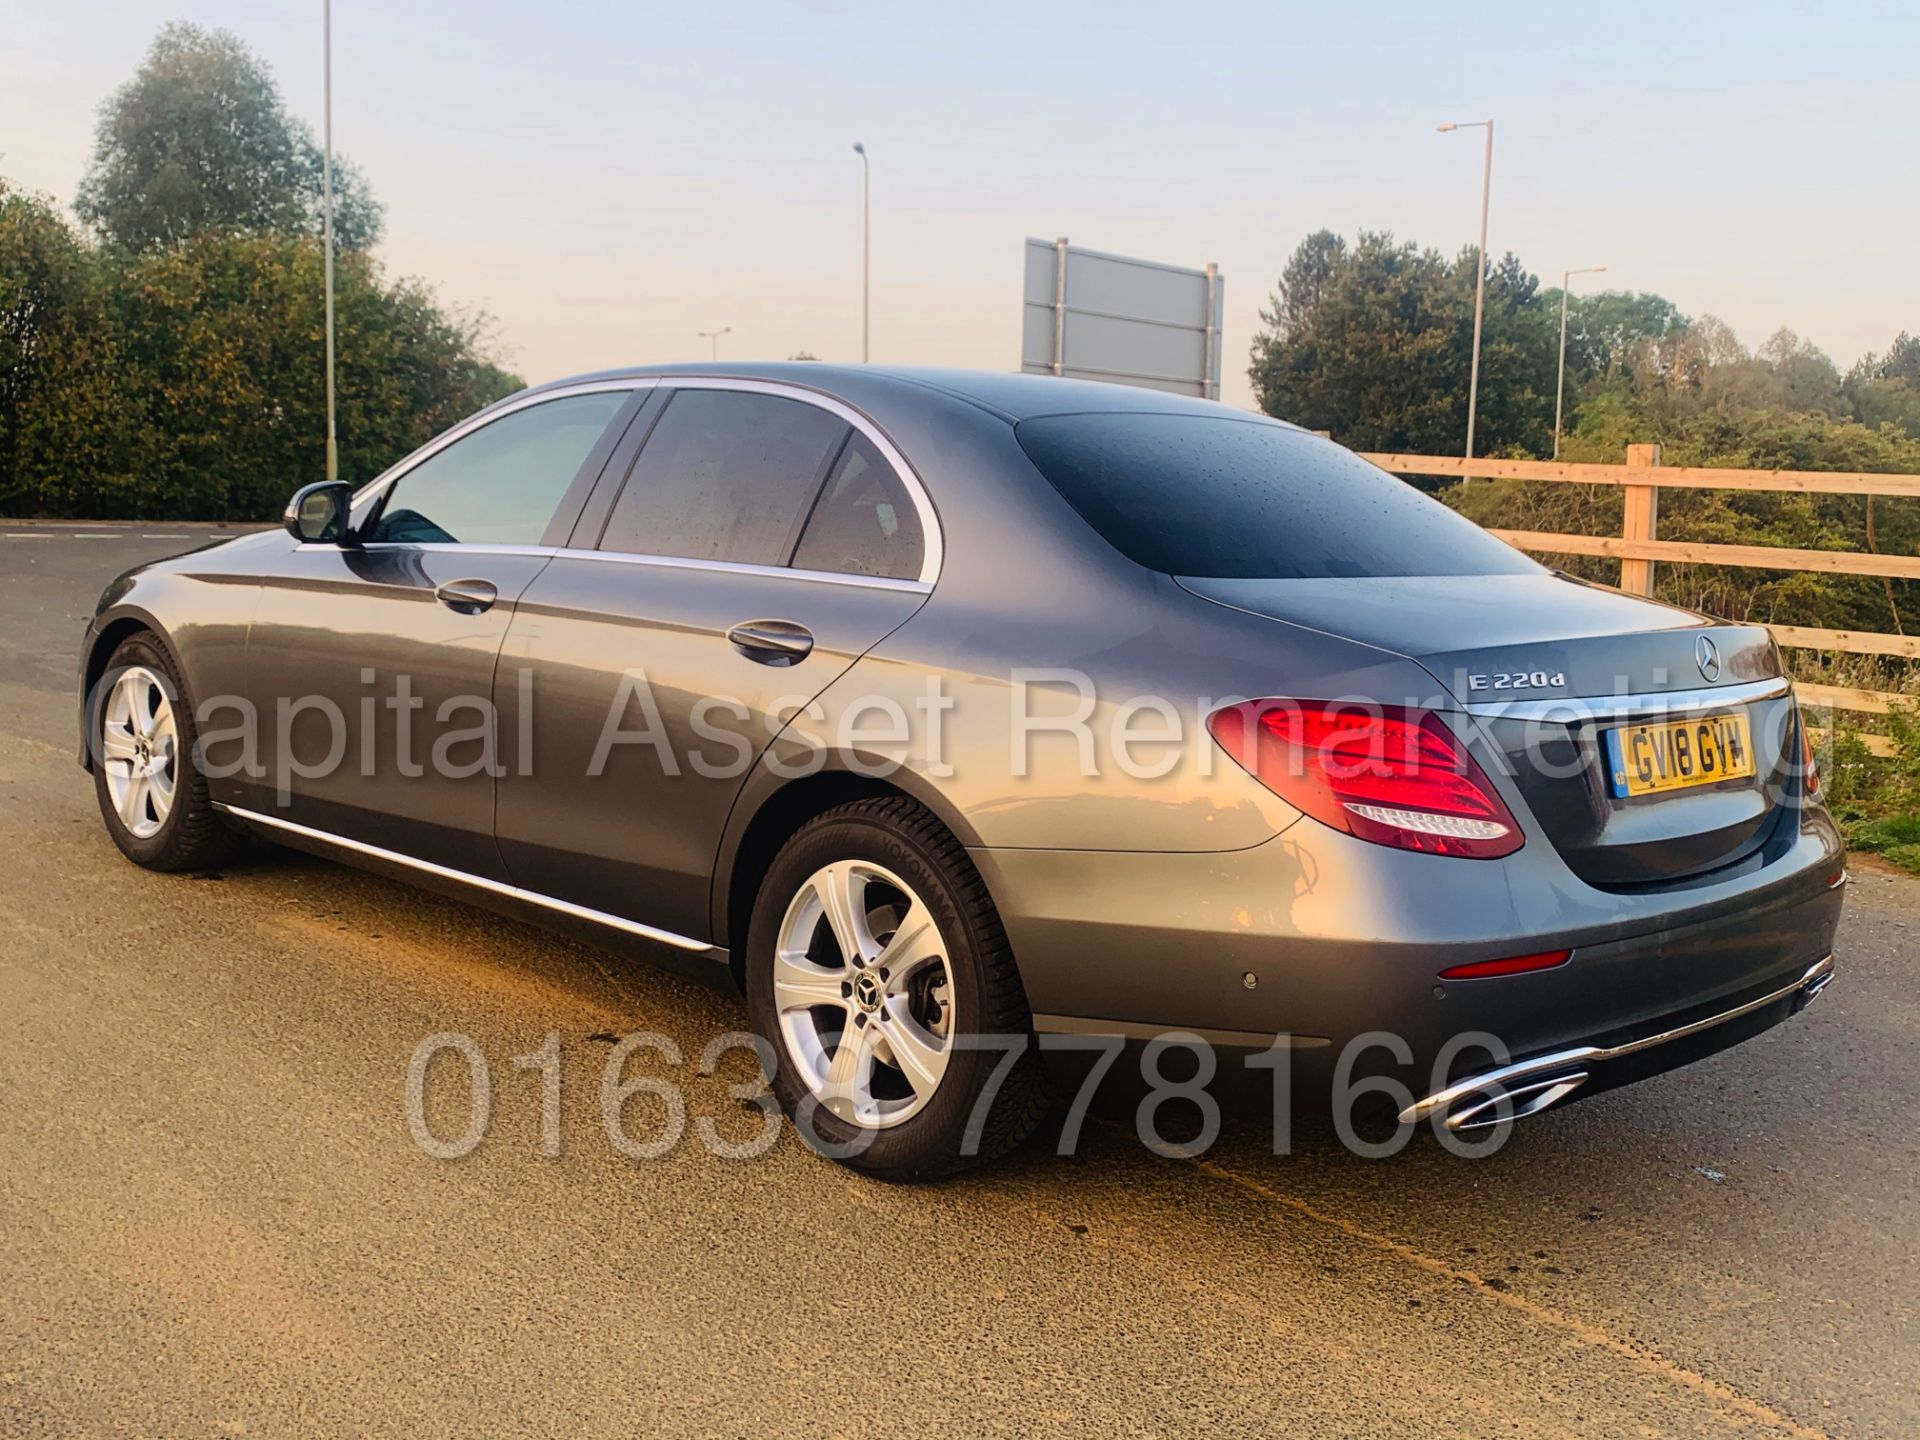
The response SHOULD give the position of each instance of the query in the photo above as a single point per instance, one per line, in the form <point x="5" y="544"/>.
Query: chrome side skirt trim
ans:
<point x="1676" y="703"/>
<point x="1140" y="1030"/>
<point x="1810" y="984"/>
<point x="479" y="882"/>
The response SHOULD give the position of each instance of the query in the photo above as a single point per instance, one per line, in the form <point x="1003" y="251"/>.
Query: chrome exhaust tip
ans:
<point x="1527" y="1087"/>
<point x="1501" y="1105"/>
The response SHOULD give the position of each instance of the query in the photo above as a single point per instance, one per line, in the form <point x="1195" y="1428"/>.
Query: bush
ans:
<point x="188" y="382"/>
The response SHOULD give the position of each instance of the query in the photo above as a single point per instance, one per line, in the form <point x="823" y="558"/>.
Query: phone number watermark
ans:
<point x="642" y="1086"/>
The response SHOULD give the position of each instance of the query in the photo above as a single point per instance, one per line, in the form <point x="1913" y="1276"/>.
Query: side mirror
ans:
<point x="318" y="514"/>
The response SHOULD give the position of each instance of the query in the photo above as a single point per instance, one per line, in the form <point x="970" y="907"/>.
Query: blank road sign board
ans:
<point x="1129" y="322"/>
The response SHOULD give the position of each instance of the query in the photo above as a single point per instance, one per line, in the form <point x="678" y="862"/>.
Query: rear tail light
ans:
<point x="1383" y="773"/>
<point x="1810" y="782"/>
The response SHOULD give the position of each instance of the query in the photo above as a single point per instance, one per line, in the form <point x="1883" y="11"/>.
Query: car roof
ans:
<point x="1013" y="397"/>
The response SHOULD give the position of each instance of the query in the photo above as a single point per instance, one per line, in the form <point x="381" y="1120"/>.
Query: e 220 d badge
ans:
<point x="1519" y="680"/>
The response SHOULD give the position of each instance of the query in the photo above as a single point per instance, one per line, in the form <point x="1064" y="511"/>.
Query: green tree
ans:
<point x="199" y="139"/>
<point x="1885" y="389"/>
<point x="225" y="333"/>
<point x="185" y="383"/>
<point x="1610" y="331"/>
<point x="1374" y="342"/>
<point x="61" y="421"/>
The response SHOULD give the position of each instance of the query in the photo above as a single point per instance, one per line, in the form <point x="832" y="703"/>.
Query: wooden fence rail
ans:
<point x="1638" y="548"/>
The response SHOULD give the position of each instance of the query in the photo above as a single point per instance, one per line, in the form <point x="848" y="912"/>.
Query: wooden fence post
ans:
<point x="1640" y="521"/>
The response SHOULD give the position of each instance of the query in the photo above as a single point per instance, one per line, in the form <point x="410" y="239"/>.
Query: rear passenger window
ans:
<point x="502" y="483"/>
<point x="726" y="475"/>
<point x="864" y="523"/>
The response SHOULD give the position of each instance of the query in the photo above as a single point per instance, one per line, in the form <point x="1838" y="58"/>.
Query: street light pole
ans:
<point x="1480" y="279"/>
<point x="326" y="199"/>
<point x="866" y="251"/>
<point x="714" y="336"/>
<point x="1560" y="384"/>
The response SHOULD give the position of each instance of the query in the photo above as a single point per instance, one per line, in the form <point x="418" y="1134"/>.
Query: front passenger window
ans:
<point x="500" y="484"/>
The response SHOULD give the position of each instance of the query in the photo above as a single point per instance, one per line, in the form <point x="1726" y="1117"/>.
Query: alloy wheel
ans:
<point x="139" y="751"/>
<point x="863" y="991"/>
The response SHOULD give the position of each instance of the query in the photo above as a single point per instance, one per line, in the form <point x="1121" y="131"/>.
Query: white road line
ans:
<point x="92" y="535"/>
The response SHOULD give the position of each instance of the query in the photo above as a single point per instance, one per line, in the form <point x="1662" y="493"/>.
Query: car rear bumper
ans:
<point x="1326" y="940"/>
<point x="1526" y="1087"/>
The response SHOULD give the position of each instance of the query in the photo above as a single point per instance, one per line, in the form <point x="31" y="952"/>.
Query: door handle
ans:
<point x="469" y="597"/>
<point x="772" y="642"/>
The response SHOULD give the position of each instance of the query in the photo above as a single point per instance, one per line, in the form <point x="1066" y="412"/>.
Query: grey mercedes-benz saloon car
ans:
<point x="924" y="707"/>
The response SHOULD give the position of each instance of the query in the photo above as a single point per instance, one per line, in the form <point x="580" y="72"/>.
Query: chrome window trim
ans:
<point x="670" y="562"/>
<point x="479" y="882"/>
<point x="496" y="411"/>
<point x="1573" y="709"/>
<point x="933" y="552"/>
<point x="933" y="543"/>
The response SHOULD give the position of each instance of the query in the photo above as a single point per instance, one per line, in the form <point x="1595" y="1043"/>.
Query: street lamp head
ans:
<point x="1443" y="129"/>
<point x="859" y="148"/>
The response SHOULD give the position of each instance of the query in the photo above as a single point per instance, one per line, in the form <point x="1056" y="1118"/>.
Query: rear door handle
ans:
<point x="469" y="597"/>
<point x="772" y="642"/>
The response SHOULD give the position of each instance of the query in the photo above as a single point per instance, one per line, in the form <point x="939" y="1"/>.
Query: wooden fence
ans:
<point x="1638" y="547"/>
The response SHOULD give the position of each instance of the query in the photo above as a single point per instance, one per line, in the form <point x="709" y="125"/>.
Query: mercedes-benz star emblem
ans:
<point x="1708" y="655"/>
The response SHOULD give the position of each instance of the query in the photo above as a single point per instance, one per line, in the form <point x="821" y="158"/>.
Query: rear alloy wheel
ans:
<point x="874" y="959"/>
<point x="864" y="993"/>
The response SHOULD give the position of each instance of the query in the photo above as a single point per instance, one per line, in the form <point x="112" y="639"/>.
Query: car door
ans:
<point x="758" y="542"/>
<point x="370" y="666"/>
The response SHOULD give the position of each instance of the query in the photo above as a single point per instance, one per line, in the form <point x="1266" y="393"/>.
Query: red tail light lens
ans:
<point x="1811" y="781"/>
<point x="1382" y="773"/>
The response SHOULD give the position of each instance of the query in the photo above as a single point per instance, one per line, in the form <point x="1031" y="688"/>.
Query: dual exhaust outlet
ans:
<point x="1527" y="1087"/>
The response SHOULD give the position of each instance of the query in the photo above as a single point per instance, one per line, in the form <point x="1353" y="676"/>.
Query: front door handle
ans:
<point x="469" y="597"/>
<point x="772" y="642"/>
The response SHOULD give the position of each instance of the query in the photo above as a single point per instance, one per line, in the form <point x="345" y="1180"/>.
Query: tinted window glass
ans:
<point x="863" y="524"/>
<point x="501" y="484"/>
<point x="1194" y="495"/>
<point x="726" y="475"/>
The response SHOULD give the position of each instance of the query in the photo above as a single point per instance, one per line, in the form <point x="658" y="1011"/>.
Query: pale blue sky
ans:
<point x="609" y="179"/>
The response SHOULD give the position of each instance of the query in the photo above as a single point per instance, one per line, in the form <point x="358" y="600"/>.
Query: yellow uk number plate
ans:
<point x="1673" y="754"/>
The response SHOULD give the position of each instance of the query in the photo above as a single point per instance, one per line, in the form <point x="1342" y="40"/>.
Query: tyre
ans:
<point x="152" y="796"/>
<point x="874" y="960"/>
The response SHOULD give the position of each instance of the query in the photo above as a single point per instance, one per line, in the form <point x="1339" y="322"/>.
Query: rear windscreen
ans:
<point x="1240" y="499"/>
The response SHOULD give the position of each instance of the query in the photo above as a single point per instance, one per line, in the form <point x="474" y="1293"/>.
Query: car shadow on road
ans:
<point x="1692" y="1123"/>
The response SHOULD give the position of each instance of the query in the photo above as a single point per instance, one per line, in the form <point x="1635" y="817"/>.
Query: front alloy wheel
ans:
<point x="139" y="751"/>
<point x="152" y="795"/>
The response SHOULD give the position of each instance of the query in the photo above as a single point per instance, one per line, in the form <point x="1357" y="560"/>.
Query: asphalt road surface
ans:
<point x="214" y="1219"/>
